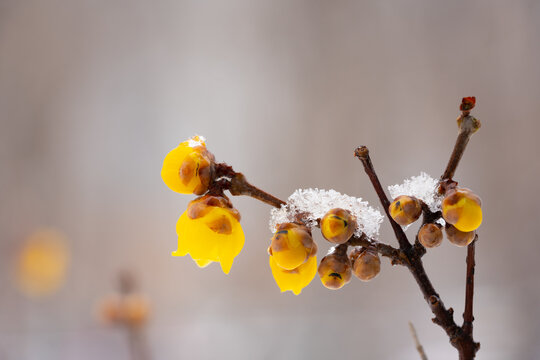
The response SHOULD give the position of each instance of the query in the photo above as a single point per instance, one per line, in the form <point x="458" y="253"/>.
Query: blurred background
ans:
<point x="93" y="94"/>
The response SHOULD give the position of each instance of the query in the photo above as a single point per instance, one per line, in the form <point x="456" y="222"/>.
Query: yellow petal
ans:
<point x="183" y="230"/>
<point x="203" y="263"/>
<point x="471" y="215"/>
<point x="294" y="280"/>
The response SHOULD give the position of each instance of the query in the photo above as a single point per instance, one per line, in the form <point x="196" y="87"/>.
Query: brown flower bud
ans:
<point x="430" y="235"/>
<point x="335" y="271"/>
<point x="405" y="209"/>
<point x="458" y="237"/>
<point x="366" y="264"/>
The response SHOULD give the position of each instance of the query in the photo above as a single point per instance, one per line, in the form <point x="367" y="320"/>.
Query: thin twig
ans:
<point x="240" y="186"/>
<point x="362" y="153"/>
<point x="468" y="125"/>
<point x="468" y="317"/>
<point x="419" y="346"/>
<point x="138" y="346"/>
<point x="137" y="342"/>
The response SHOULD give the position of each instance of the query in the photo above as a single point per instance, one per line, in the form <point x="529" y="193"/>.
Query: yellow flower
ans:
<point x="209" y="230"/>
<point x="294" y="280"/>
<point x="462" y="208"/>
<point x="291" y="245"/>
<point x="189" y="167"/>
<point x="42" y="263"/>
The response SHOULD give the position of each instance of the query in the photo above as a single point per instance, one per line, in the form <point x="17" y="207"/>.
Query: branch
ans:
<point x="240" y="186"/>
<point x="468" y="317"/>
<point x="460" y="337"/>
<point x="468" y="125"/>
<point x="228" y="179"/>
<point x="362" y="153"/>
<point x="419" y="346"/>
<point x="236" y="183"/>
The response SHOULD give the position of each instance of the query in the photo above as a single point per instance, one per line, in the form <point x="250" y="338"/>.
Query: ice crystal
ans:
<point x="313" y="204"/>
<point x="423" y="187"/>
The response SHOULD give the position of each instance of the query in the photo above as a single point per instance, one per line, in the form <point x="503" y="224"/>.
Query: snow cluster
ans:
<point x="313" y="204"/>
<point x="196" y="140"/>
<point x="423" y="187"/>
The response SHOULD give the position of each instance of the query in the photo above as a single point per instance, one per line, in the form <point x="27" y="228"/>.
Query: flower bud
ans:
<point x="405" y="209"/>
<point x="462" y="208"/>
<point x="366" y="264"/>
<point x="338" y="225"/>
<point x="430" y="235"/>
<point x="189" y="168"/>
<point x="132" y="310"/>
<point x="291" y="245"/>
<point x="457" y="237"/>
<point x="335" y="271"/>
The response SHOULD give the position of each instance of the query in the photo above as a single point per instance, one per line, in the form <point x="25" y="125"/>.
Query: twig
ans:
<point x="419" y="346"/>
<point x="240" y="186"/>
<point x="468" y="317"/>
<point x="137" y="342"/>
<point x="138" y="347"/>
<point x="468" y="125"/>
<point x="362" y="153"/>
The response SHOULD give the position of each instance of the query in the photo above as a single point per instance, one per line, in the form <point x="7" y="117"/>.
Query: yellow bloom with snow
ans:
<point x="210" y="231"/>
<point x="189" y="167"/>
<point x="294" y="280"/>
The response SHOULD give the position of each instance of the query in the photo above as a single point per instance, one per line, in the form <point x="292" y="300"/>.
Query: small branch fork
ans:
<point x="408" y="255"/>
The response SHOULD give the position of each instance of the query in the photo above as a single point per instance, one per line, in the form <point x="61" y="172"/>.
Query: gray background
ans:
<point x="93" y="94"/>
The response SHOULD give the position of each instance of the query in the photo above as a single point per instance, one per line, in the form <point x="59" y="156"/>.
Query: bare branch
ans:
<point x="362" y="153"/>
<point x="468" y="125"/>
<point x="468" y="317"/>
<point x="419" y="346"/>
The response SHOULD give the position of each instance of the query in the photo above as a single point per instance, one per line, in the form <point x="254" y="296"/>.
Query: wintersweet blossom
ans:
<point x="188" y="168"/>
<point x="209" y="231"/>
